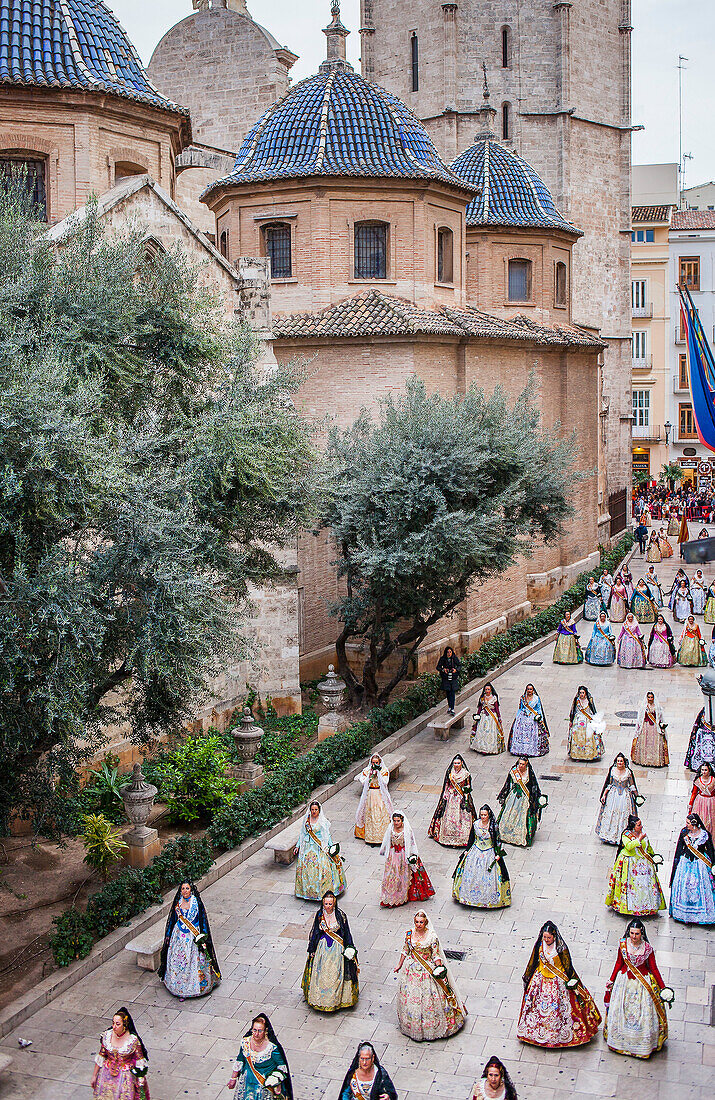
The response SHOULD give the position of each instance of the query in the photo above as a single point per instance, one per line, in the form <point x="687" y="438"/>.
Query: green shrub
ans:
<point x="103" y="848"/>
<point x="191" y="777"/>
<point x="72" y="939"/>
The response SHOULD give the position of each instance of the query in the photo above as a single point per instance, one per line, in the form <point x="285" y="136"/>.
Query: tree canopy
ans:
<point x="148" y="477"/>
<point x="426" y="498"/>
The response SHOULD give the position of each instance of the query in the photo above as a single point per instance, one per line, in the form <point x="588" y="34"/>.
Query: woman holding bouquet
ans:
<point x="529" y="734"/>
<point x="404" y="878"/>
<point x="692" y="890"/>
<point x="495" y="1083"/>
<point x="631" y="647"/>
<point x="521" y="805"/>
<point x="557" y="1010"/>
<point x="585" y="727"/>
<point x="261" y="1067"/>
<point x="480" y="878"/>
<point x="188" y="966"/>
<point x="636" y="996"/>
<point x="455" y="811"/>
<point x="702" y="796"/>
<point x="567" y="650"/>
<point x="375" y="805"/>
<point x="319" y="867"/>
<point x="601" y="649"/>
<point x="661" y="648"/>
<point x="691" y="650"/>
<point x="428" y="1004"/>
<point x="487" y="731"/>
<point x="619" y="797"/>
<point x="330" y="978"/>
<point x="120" y="1067"/>
<point x="634" y="888"/>
<point x="650" y="744"/>
<point x="366" y="1079"/>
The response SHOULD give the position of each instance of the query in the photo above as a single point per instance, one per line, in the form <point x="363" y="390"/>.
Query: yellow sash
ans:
<point x="459" y="788"/>
<point x="635" y="973"/>
<point x="441" y="982"/>
<point x="697" y="853"/>
<point x="312" y="835"/>
<point x="185" y="921"/>
<point x="516" y="776"/>
<point x="493" y="716"/>
<point x="329" y="932"/>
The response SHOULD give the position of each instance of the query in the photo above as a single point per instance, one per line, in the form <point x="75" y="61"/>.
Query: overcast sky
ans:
<point x="662" y="30"/>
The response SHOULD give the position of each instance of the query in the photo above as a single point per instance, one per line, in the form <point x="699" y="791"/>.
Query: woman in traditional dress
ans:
<point x="635" y="1021"/>
<point x="701" y="743"/>
<point x="606" y="586"/>
<point x="487" y="731"/>
<point x="691" y="651"/>
<point x="319" y="867"/>
<point x="366" y="1079"/>
<point x="692" y="889"/>
<point x="188" y="967"/>
<point x="702" y="796"/>
<point x="618" y="603"/>
<point x="404" y="878"/>
<point x="495" y="1083"/>
<point x="529" y="733"/>
<point x="452" y="820"/>
<point x="557" y="1010"/>
<point x="679" y="579"/>
<point x="261" y="1067"/>
<point x="673" y="523"/>
<point x="428" y="1003"/>
<point x="593" y="602"/>
<point x="601" y="649"/>
<point x="642" y="606"/>
<point x="618" y="801"/>
<point x="627" y="578"/>
<point x="567" y="650"/>
<point x="330" y="978"/>
<point x="661" y="648"/>
<point x="375" y="806"/>
<point x="711" y="650"/>
<point x="634" y="888"/>
<point x="698" y="591"/>
<point x="521" y="803"/>
<point x="656" y="592"/>
<point x="709" y="613"/>
<point x="586" y="727"/>
<point x="631" y="647"/>
<point x="650" y="744"/>
<point x="653" y="553"/>
<point x="121" y="1064"/>
<point x="665" y="545"/>
<point x="481" y="879"/>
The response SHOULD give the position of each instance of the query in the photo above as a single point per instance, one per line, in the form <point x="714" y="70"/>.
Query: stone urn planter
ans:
<point x="138" y="798"/>
<point x="247" y="739"/>
<point x="332" y="695"/>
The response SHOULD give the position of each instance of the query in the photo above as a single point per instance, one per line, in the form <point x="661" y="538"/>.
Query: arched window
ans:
<point x="123" y="169"/>
<point x="505" y="122"/>
<point x="30" y="172"/>
<point x="560" y="287"/>
<point x="519" y="289"/>
<point x="445" y="255"/>
<point x="415" y="61"/>
<point x="370" y="250"/>
<point x="153" y="250"/>
<point x="223" y="243"/>
<point x="277" y="244"/>
<point x="505" y="47"/>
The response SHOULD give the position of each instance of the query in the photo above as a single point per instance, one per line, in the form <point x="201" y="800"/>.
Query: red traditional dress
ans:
<point x="554" y="1014"/>
<point x="702" y="802"/>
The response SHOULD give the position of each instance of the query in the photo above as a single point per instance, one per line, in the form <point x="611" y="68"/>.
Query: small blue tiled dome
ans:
<point x="338" y="124"/>
<point x="72" y="44"/>
<point x="508" y="190"/>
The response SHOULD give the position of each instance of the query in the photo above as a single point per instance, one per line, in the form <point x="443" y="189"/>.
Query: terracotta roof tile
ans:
<point x="652" y="213"/>
<point x="693" y="219"/>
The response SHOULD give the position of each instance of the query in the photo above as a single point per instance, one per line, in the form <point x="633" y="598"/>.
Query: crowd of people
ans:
<point x="557" y="1010"/>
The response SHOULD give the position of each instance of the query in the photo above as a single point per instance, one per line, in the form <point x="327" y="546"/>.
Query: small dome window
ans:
<point x="370" y="250"/>
<point x="445" y="255"/>
<point x="560" y="284"/>
<point x="277" y="246"/>
<point x="29" y="172"/>
<point x="519" y="283"/>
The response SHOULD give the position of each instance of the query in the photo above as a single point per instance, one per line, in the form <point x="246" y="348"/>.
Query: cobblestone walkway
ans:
<point x="260" y="931"/>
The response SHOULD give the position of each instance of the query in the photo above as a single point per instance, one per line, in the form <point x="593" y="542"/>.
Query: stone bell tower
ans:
<point x="560" y="80"/>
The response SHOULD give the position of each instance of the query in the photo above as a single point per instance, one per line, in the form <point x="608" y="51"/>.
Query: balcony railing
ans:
<point x="679" y="336"/>
<point x="651" y="432"/>
<point x="643" y="362"/>
<point x="642" y="311"/>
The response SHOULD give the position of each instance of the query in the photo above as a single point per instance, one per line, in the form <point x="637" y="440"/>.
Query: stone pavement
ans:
<point x="260" y="931"/>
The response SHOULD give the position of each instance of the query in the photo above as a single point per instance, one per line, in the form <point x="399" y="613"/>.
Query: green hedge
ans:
<point x="292" y="782"/>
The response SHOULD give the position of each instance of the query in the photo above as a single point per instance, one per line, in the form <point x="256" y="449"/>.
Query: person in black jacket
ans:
<point x="364" y="1067"/>
<point x="448" y="667"/>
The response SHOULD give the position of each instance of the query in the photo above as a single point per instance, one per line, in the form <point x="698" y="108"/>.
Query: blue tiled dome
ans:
<point x="509" y="192"/>
<point x="72" y="44"/>
<point x="338" y="124"/>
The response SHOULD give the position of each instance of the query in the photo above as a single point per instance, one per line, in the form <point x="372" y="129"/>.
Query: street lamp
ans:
<point x="667" y="428"/>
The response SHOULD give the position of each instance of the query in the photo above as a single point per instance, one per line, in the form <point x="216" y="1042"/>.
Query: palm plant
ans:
<point x="103" y="848"/>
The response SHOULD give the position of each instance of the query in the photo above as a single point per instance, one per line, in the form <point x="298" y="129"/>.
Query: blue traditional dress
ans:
<point x="701" y="744"/>
<point x="481" y="878"/>
<point x="529" y="734"/>
<point x="253" y="1067"/>
<point x="642" y="605"/>
<point x="601" y="649"/>
<point x="317" y="871"/>
<point x="651" y="579"/>
<point x="594" y="602"/>
<point x="692" y="889"/>
<point x="698" y="591"/>
<point x="188" y="970"/>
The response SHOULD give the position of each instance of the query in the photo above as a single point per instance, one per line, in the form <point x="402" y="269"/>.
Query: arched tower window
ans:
<point x="415" y="61"/>
<point x="123" y="169"/>
<point x="445" y="255"/>
<point x="370" y="250"/>
<point x="505" y="122"/>
<point x="519" y="288"/>
<point x="30" y="171"/>
<point x="560" y="286"/>
<point x="277" y="244"/>
<point x="506" y="47"/>
<point x="223" y="243"/>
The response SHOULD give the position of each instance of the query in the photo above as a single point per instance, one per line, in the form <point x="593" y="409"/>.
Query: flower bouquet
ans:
<point x="639" y="799"/>
<point x="667" y="996"/>
<point x="200" y="941"/>
<point x="440" y="973"/>
<point x="572" y="983"/>
<point x="413" y="861"/>
<point x="658" y="860"/>
<point x="543" y="801"/>
<point x="139" y="1073"/>
<point x="350" y="954"/>
<point x="275" y="1081"/>
<point x="334" y="851"/>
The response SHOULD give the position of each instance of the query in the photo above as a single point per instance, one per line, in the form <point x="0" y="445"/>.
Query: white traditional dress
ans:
<point x="428" y="1003"/>
<point x="618" y="802"/>
<point x="375" y="807"/>
<point x="636" y="1022"/>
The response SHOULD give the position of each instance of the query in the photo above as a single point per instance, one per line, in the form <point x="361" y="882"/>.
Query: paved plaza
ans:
<point x="260" y="931"/>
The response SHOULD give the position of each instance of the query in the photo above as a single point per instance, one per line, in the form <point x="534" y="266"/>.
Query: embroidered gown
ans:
<point x="375" y="808"/>
<point x="529" y="734"/>
<point x="330" y="981"/>
<point x="619" y="802"/>
<point x="650" y="745"/>
<point x="666" y="549"/>
<point x="634" y="889"/>
<point x="402" y="881"/>
<point x="618" y="605"/>
<point x="380" y="1083"/>
<point x="701" y="744"/>
<point x="631" y="648"/>
<point x="480" y="878"/>
<point x="601" y="649"/>
<point x="691" y="653"/>
<point x="697" y="591"/>
<point x="316" y="872"/>
<point x="584" y="742"/>
<point x="673" y="525"/>
<point x="635" y="1022"/>
<point x="692" y="888"/>
<point x="702" y="802"/>
<point x="656" y="592"/>
<point x="593" y="604"/>
<point x="552" y="1015"/>
<point x="189" y="971"/>
<point x="567" y="650"/>
<point x="709" y="614"/>
<point x="660" y="648"/>
<point x="115" y="1080"/>
<point x="253" y="1068"/>
<point x="653" y="553"/>
<point x="487" y="732"/>
<point x="643" y="606"/>
<point x="427" y="1007"/>
<point x="682" y="605"/>
<point x="452" y="820"/>
<point x="520" y="808"/>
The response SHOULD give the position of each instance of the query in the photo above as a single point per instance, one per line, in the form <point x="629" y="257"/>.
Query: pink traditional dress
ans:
<point x="631" y="648"/>
<point x="618" y="603"/>
<point x="650" y="744"/>
<point x="557" y="1010"/>
<point x="117" y="1058"/>
<point x="404" y="878"/>
<point x="428" y="1003"/>
<point x="702" y="801"/>
<point x="375" y="807"/>
<point x="666" y="550"/>
<point x="452" y="820"/>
